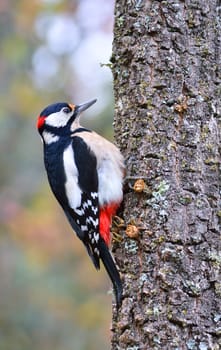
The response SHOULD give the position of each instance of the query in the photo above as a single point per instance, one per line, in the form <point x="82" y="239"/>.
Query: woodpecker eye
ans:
<point x="66" y="110"/>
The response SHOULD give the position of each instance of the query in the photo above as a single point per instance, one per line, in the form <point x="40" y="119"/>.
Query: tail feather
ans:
<point x="104" y="254"/>
<point x="111" y="270"/>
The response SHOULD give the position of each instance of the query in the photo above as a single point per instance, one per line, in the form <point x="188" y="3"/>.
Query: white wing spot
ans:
<point x="95" y="210"/>
<point x="96" y="237"/>
<point x="94" y="222"/>
<point x="94" y="195"/>
<point x="97" y="251"/>
<point x="89" y="202"/>
<point x="79" y="212"/>
<point x="83" y="227"/>
<point x="85" y="205"/>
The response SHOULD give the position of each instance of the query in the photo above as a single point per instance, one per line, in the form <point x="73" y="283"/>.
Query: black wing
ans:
<point x="85" y="218"/>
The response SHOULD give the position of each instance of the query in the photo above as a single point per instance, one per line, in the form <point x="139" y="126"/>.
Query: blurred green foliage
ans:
<point x="51" y="297"/>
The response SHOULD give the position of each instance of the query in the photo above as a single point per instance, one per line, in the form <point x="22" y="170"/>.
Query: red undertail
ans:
<point x="106" y="214"/>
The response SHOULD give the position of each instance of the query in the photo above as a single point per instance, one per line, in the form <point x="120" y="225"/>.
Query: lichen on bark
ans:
<point x="166" y="69"/>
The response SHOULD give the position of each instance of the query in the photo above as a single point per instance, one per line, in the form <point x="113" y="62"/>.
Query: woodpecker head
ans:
<point x="60" y="119"/>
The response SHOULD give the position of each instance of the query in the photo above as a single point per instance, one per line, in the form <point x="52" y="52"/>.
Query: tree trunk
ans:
<point x="166" y="68"/>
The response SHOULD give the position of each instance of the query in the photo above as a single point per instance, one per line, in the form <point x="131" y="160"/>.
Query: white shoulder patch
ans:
<point x="73" y="192"/>
<point x="49" y="137"/>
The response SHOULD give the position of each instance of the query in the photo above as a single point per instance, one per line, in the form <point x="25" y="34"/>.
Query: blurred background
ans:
<point x="51" y="297"/>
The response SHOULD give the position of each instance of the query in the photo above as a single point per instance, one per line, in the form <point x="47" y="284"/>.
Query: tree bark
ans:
<point x="166" y="69"/>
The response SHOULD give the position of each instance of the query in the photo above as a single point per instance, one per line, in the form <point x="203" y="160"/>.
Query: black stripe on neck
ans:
<point x="80" y="130"/>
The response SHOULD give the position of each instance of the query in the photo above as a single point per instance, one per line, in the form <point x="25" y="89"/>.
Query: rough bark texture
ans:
<point x="166" y="68"/>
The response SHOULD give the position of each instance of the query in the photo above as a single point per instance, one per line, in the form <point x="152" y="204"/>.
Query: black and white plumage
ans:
<point x="85" y="172"/>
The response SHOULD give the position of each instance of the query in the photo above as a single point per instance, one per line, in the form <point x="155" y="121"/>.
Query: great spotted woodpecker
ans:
<point x="85" y="173"/>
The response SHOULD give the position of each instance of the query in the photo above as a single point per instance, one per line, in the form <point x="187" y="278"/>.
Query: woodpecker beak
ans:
<point x="82" y="107"/>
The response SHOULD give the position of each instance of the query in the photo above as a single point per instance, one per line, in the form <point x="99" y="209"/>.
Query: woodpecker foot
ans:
<point x="118" y="222"/>
<point x="116" y="237"/>
<point x="118" y="225"/>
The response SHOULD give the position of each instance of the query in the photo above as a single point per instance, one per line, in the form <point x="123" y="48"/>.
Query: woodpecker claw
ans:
<point x="116" y="237"/>
<point x="118" y="224"/>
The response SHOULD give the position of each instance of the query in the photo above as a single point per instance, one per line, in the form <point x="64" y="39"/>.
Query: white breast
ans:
<point x="110" y="168"/>
<point x="110" y="181"/>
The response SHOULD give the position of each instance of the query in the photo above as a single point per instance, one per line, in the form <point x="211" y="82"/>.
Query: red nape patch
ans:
<point x="106" y="214"/>
<point x="40" y="121"/>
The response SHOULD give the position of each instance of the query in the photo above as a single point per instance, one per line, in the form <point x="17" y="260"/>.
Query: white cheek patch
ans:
<point x="49" y="138"/>
<point x="58" y="119"/>
<point x="73" y="192"/>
